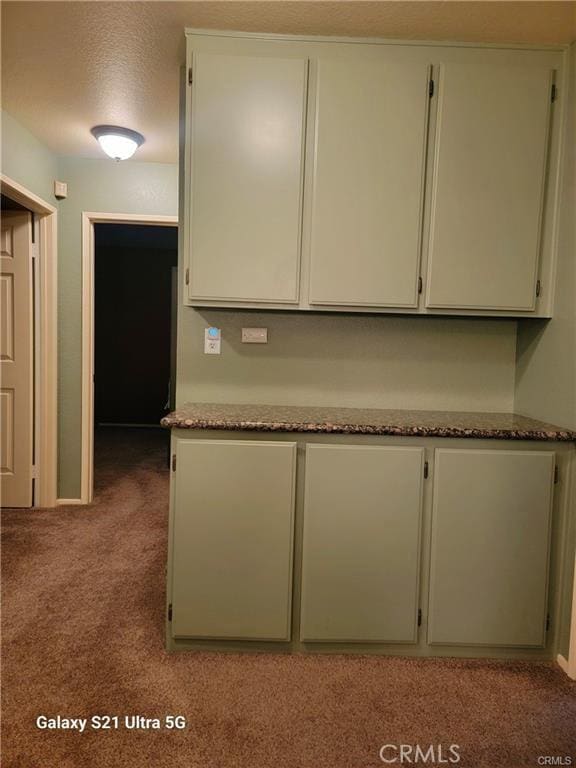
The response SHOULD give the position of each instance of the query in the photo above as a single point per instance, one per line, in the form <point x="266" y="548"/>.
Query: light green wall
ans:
<point x="26" y="160"/>
<point x="110" y="187"/>
<point x="349" y="360"/>
<point x="546" y="352"/>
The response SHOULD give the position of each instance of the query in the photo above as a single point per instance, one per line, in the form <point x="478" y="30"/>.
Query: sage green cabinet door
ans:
<point x="362" y="515"/>
<point x="247" y="120"/>
<point x="490" y="547"/>
<point x="371" y="119"/>
<point x="232" y="539"/>
<point x="488" y="186"/>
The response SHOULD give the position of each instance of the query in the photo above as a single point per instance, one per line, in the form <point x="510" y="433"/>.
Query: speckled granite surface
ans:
<point x="366" y="421"/>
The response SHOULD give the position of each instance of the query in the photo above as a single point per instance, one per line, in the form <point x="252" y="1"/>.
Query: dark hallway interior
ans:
<point x="134" y="266"/>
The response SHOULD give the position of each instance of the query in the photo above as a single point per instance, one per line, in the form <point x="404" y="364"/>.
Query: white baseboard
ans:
<point x="565" y="667"/>
<point x="69" y="502"/>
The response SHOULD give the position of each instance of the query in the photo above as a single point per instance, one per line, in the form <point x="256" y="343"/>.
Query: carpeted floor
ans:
<point x="83" y="605"/>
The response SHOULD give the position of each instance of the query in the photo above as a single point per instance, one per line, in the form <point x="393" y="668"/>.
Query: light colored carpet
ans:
<point x="83" y="605"/>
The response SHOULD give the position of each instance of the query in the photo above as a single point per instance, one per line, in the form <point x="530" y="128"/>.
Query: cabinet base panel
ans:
<point x="408" y="651"/>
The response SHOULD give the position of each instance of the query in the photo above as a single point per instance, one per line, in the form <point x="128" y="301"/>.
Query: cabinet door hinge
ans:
<point x="419" y="617"/>
<point x="170" y="612"/>
<point x="553" y="93"/>
<point x="538" y="288"/>
<point x="187" y="276"/>
<point x="548" y="622"/>
<point x="431" y="88"/>
<point x="189" y="75"/>
<point x="173" y="462"/>
<point x="425" y="470"/>
<point x="420" y="284"/>
<point x="556" y="475"/>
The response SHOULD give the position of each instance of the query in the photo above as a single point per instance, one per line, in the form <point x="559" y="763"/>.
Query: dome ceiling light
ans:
<point x="118" y="143"/>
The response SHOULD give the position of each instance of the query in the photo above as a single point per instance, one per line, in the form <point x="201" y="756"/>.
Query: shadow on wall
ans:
<point x="532" y="332"/>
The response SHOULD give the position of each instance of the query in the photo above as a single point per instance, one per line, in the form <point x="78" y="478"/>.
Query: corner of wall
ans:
<point x="545" y="386"/>
<point x="27" y="160"/>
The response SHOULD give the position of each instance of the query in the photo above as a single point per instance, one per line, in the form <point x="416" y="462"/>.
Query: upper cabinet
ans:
<point x="371" y="118"/>
<point x="490" y="155"/>
<point x="327" y="175"/>
<point x="246" y="137"/>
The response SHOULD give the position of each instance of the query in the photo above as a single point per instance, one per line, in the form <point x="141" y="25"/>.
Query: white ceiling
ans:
<point x="67" y="66"/>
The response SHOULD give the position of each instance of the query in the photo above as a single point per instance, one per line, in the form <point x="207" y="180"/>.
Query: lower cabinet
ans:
<point x="478" y="540"/>
<point x="362" y="515"/>
<point x="490" y="547"/>
<point x="233" y="521"/>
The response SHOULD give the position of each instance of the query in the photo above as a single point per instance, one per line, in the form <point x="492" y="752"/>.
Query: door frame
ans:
<point x="89" y="219"/>
<point x="45" y="468"/>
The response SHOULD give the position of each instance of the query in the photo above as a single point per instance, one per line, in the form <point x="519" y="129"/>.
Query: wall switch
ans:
<point x="212" y="341"/>
<point x="255" y="335"/>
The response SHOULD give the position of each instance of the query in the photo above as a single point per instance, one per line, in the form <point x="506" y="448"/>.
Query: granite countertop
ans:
<point x="365" y="421"/>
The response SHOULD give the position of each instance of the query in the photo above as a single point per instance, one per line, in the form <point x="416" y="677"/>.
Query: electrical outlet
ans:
<point x="255" y="335"/>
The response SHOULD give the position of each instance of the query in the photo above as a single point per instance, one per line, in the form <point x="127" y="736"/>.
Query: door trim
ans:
<point x="46" y="344"/>
<point x="89" y="219"/>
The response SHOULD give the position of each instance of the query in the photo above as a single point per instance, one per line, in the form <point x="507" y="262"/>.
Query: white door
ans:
<point x="488" y="186"/>
<point x="16" y="350"/>
<point x="371" y="118"/>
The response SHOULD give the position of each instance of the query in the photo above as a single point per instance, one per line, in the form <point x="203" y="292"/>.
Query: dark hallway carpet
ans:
<point x="83" y="610"/>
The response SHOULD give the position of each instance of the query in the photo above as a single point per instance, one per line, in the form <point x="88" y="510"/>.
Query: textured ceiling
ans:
<point x="67" y="66"/>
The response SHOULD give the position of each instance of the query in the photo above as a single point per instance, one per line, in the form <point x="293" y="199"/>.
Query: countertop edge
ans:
<point x="366" y="429"/>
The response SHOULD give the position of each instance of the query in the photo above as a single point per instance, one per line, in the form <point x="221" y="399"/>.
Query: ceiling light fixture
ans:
<point x="118" y="143"/>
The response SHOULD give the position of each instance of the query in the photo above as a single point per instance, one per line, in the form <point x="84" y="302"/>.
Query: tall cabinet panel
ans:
<point x="371" y="117"/>
<point x="247" y="123"/>
<point x="362" y="514"/>
<point x="488" y="186"/>
<point x="490" y="546"/>
<point x="232" y="539"/>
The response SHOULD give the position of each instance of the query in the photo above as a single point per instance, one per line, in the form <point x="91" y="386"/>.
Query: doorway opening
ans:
<point x="129" y="336"/>
<point x="134" y="268"/>
<point x="134" y="337"/>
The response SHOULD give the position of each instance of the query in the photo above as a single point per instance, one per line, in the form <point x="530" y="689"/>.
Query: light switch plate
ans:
<point x="60" y="190"/>
<point x="254" y="335"/>
<point x="212" y="341"/>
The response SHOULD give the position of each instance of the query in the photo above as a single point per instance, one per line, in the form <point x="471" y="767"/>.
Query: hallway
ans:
<point x="83" y="606"/>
